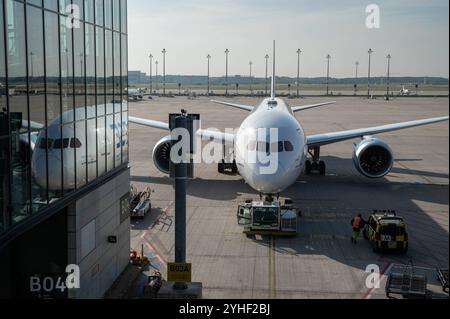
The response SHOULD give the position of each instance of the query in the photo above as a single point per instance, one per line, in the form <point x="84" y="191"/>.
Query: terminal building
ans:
<point x="64" y="174"/>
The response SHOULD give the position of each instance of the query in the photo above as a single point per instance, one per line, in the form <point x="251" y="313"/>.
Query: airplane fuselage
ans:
<point x="70" y="155"/>
<point x="272" y="134"/>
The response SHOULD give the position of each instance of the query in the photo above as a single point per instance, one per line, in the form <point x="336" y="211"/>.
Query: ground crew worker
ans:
<point x="358" y="224"/>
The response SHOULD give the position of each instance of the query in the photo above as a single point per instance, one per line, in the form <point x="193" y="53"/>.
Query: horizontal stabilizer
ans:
<point x="312" y="106"/>
<point x="238" y="106"/>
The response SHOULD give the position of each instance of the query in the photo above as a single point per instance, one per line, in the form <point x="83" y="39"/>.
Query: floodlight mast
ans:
<point x="226" y="71"/>
<point x="208" y="57"/>
<point x="328" y="57"/>
<point x="368" y="77"/>
<point x="299" y="52"/>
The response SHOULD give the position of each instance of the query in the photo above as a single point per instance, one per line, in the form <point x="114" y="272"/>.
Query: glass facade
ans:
<point x="63" y="103"/>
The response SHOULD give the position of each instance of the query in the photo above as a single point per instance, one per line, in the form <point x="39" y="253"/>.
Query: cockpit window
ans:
<point x="264" y="147"/>
<point x="251" y="146"/>
<point x="277" y="147"/>
<point x="45" y="143"/>
<point x="288" y="146"/>
<point x="75" y="143"/>
<point x="61" y="143"/>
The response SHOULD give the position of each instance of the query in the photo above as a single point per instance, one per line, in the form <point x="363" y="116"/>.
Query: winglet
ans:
<point x="273" y="94"/>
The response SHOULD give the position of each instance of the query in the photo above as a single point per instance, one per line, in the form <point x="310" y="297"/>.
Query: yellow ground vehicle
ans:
<point x="387" y="232"/>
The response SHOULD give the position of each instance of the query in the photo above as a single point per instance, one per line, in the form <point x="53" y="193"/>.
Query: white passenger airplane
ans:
<point x="135" y="94"/>
<point x="78" y="152"/>
<point x="372" y="157"/>
<point x="404" y="92"/>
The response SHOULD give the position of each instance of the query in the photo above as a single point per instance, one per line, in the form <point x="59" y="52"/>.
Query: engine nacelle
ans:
<point x="373" y="158"/>
<point x="161" y="154"/>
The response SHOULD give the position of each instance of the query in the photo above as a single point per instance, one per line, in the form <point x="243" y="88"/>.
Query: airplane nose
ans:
<point x="270" y="183"/>
<point x="39" y="169"/>
<point x="54" y="171"/>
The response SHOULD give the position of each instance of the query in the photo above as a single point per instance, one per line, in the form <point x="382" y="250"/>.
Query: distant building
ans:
<point x="137" y="77"/>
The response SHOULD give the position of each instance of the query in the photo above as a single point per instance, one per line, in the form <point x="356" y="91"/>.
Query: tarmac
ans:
<point x="320" y="262"/>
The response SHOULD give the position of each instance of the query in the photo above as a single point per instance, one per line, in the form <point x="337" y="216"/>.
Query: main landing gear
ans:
<point x="315" y="165"/>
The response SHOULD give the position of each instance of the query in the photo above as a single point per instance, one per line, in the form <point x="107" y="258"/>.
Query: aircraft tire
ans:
<point x="322" y="168"/>
<point x="308" y="167"/>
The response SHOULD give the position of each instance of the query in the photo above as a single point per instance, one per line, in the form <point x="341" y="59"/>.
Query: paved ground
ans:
<point x="321" y="262"/>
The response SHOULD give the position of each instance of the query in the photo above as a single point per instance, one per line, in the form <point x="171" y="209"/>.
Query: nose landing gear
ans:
<point x="315" y="165"/>
<point x="223" y="167"/>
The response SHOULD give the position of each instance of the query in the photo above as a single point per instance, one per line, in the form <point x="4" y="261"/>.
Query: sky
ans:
<point x="414" y="32"/>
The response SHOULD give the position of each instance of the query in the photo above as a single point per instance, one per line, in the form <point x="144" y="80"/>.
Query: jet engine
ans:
<point x="161" y="154"/>
<point x="373" y="158"/>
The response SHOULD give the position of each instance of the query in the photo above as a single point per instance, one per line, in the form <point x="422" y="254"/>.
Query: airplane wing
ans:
<point x="34" y="126"/>
<point x="149" y="123"/>
<point x="217" y="136"/>
<point x="312" y="106"/>
<point x="238" y="106"/>
<point x="205" y="134"/>
<point x="336" y="137"/>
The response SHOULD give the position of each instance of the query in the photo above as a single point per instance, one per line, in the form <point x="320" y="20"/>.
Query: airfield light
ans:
<point x="299" y="52"/>
<point x="388" y="75"/>
<point x="81" y="64"/>
<point x="31" y="60"/>
<point x="32" y="68"/>
<point x="156" y="79"/>
<point x="151" y="71"/>
<point x="251" y="86"/>
<point x="267" y="71"/>
<point x="226" y="71"/>
<point x="164" y="51"/>
<point x="208" y="57"/>
<point x="328" y="57"/>
<point x="368" y="78"/>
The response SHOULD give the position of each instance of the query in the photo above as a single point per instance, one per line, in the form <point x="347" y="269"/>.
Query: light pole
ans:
<point x="208" y="57"/>
<point x="32" y="69"/>
<point x="356" y="76"/>
<point x="32" y="66"/>
<point x="267" y="73"/>
<point x="81" y="64"/>
<point x="151" y="75"/>
<point x="226" y="71"/>
<point x="251" y="86"/>
<point x="328" y="57"/>
<point x="388" y="75"/>
<point x="156" y="77"/>
<point x="368" y="77"/>
<point x="164" y="71"/>
<point x="299" y="52"/>
<point x="66" y="50"/>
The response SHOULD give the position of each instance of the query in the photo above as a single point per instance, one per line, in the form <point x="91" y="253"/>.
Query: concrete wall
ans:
<point x="100" y="268"/>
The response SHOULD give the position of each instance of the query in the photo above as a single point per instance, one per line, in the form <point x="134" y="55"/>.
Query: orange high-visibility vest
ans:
<point x="357" y="223"/>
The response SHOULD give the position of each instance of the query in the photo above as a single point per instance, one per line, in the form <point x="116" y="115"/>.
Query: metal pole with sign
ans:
<point x="182" y="126"/>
